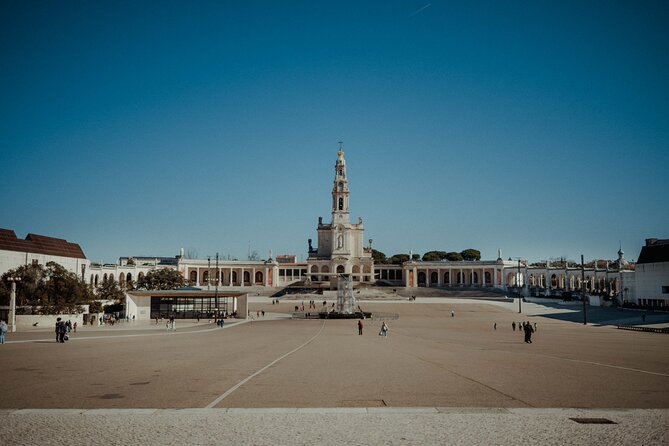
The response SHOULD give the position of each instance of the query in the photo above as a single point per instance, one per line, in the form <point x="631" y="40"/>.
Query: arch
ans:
<point x="92" y="279"/>
<point x="121" y="278"/>
<point x="341" y="204"/>
<point x="140" y="276"/>
<point x="247" y="277"/>
<point x="511" y="279"/>
<point x="447" y="278"/>
<point x="234" y="277"/>
<point x="533" y="280"/>
<point x="488" y="278"/>
<point x="128" y="277"/>
<point x="96" y="280"/>
<point x="205" y="277"/>
<point x="554" y="282"/>
<point x="340" y="269"/>
<point x="434" y="278"/>
<point x="324" y="269"/>
<point x="193" y="277"/>
<point x="356" y="272"/>
<point x="259" y="277"/>
<point x="421" y="278"/>
<point x="104" y="278"/>
<point x="475" y="277"/>
<point x="461" y="278"/>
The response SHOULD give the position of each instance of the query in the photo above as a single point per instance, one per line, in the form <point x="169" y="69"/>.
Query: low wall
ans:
<point x="46" y="320"/>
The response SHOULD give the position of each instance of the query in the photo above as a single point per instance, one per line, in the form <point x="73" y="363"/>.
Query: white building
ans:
<point x="340" y="243"/>
<point x="652" y="274"/>
<point x="39" y="249"/>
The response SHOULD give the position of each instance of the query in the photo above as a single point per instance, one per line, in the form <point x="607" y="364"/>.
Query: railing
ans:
<point x="646" y="329"/>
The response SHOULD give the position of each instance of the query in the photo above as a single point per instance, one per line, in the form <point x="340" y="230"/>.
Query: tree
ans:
<point x="161" y="279"/>
<point x="471" y="254"/>
<point x="398" y="259"/>
<point x="378" y="256"/>
<point x="95" y="307"/>
<point x="454" y="256"/>
<point x="110" y="290"/>
<point x="51" y="289"/>
<point x="434" y="256"/>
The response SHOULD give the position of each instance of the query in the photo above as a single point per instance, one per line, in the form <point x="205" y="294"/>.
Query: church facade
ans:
<point x="340" y="248"/>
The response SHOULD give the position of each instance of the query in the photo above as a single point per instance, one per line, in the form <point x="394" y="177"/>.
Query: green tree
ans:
<point x="454" y="256"/>
<point x="434" y="256"/>
<point x="471" y="254"/>
<point x="378" y="256"/>
<point x="95" y="307"/>
<point x="110" y="290"/>
<point x="398" y="259"/>
<point x="64" y="290"/>
<point x="161" y="279"/>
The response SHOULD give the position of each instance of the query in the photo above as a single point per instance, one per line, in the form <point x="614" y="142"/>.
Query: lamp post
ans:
<point x="585" y="314"/>
<point x="216" y="277"/>
<point x="520" y="297"/>
<point x="12" y="303"/>
<point x="208" y="271"/>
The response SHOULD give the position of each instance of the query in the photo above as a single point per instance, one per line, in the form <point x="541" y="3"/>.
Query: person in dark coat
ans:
<point x="528" y="332"/>
<point x="61" y="329"/>
<point x="360" y="327"/>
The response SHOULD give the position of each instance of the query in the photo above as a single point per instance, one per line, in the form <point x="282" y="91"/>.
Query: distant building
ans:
<point x="340" y="248"/>
<point x="40" y="249"/>
<point x="652" y="274"/>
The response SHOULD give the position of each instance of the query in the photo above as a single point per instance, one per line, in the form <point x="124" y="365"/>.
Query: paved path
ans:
<point x="318" y="426"/>
<point x="279" y="381"/>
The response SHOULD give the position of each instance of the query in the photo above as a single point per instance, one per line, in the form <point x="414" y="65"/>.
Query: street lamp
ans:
<point x="585" y="314"/>
<point x="520" y="297"/>
<point x="12" y="303"/>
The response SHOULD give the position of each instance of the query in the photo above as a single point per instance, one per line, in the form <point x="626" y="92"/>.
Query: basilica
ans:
<point x="341" y="249"/>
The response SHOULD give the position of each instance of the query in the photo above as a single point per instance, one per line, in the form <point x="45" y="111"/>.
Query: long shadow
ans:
<point x="603" y="316"/>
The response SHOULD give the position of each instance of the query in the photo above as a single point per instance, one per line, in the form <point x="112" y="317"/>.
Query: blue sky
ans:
<point x="138" y="128"/>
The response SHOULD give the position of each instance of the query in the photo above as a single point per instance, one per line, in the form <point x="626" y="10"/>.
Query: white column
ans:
<point x="427" y="277"/>
<point x="265" y="277"/>
<point x="440" y="277"/>
<point x="197" y="280"/>
<point x="406" y="277"/>
<point x="241" y="277"/>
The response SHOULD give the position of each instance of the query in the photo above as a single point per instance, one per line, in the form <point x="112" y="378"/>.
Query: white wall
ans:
<point x="650" y="278"/>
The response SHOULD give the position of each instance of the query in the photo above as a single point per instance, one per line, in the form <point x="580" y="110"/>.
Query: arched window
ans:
<point x="488" y="278"/>
<point x="434" y="278"/>
<point x="234" y="277"/>
<point x="96" y="280"/>
<point x="121" y="278"/>
<point x="193" y="277"/>
<point x="128" y="277"/>
<point x="447" y="278"/>
<point x="258" y="277"/>
<point x="421" y="278"/>
<point x="340" y="269"/>
<point x="554" y="282"/>
<point x="475" y="278"/>
<point x="205" y="277"/>
<point x="341" y="203"/>
<point x="104" y="278"/>
<point x="247" y="277"/>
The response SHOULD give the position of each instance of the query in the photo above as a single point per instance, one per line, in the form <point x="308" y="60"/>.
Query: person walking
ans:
<point x="384" y="330"/>
<point x="452" y="313"/>
<point x="360" y="327"/>
<point x="494" y="326"/>
<point x="513" y="325"/>
<point x="3" y="331"/>
<point x="527" y="327"/>
<point x="74" y="327"/>
<point x="61" y="329"/>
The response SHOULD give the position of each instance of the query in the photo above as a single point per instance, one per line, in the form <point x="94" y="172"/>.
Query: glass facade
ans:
<point x="182" y="307"/>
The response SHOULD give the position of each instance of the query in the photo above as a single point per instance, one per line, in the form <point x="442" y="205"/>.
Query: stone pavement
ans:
<point x="332" y="426"/>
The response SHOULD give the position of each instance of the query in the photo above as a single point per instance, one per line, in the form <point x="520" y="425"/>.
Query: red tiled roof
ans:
<point x="39" y="244"/>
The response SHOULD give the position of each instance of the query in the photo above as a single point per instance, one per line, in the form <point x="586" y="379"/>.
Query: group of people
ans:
<point x="527" y="329"/>
<point x="382" y="332"/>
<point x="61" y="330"/>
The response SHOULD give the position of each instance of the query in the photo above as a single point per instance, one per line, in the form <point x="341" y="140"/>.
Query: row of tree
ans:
<point x="430" y="256"/>
<point x="52" y="289"/>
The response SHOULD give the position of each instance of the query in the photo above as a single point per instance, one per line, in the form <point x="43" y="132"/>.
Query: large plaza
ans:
<point x="443" y="358"/>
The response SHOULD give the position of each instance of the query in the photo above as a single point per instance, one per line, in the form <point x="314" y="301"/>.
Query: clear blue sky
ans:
<point x="137" y="128"/>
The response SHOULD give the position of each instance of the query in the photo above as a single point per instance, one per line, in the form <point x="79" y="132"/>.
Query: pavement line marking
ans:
<point x="162" y="333"/>
<point x="609" y="365"/>
<point x="248" y="378"/>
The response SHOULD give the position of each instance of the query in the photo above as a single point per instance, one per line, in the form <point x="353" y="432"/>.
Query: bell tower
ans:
<point x="340" y="205"/>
